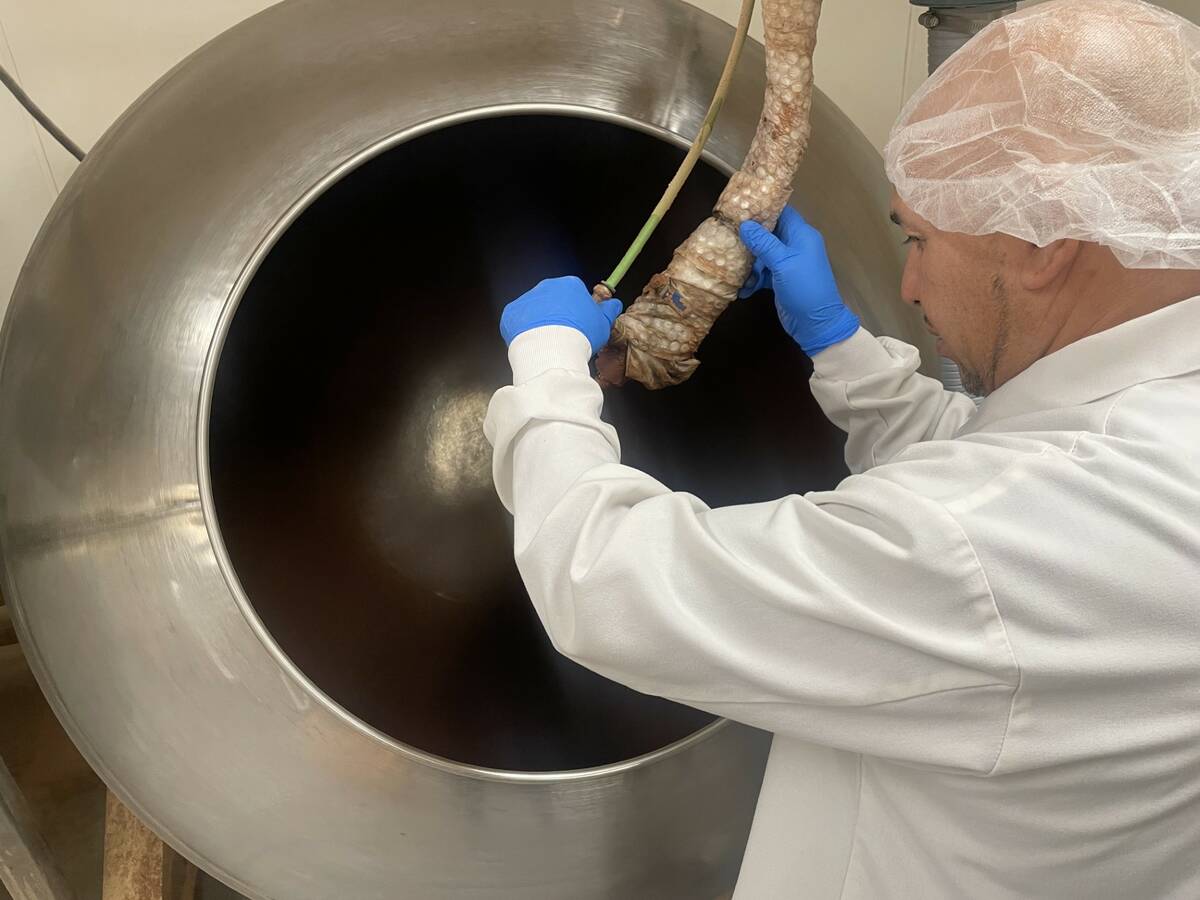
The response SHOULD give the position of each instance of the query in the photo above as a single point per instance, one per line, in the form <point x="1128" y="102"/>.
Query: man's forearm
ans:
<point x="550" y="371"/>
<point x="871" y="389"/>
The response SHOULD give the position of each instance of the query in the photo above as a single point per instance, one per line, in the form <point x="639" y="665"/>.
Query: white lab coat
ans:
<point x="980" y="654"/>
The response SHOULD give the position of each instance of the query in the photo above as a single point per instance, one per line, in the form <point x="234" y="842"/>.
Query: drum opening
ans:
<point x="350" y="475"/>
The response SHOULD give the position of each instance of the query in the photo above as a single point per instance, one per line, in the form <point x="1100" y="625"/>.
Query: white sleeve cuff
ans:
<point x="858" y="356"/>
<point x="536" y="352"/>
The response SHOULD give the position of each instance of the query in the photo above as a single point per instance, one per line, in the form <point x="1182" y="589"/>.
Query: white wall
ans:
<point x="84" y="61"/>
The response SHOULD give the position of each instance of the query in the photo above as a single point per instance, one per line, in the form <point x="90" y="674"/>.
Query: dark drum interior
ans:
<point x="351" y="476"/>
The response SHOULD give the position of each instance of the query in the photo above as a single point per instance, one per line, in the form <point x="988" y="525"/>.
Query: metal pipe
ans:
<point x="952" y="24"/>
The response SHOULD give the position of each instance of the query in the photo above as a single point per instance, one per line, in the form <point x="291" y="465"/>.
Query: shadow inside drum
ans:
<point x="350" y="474"/>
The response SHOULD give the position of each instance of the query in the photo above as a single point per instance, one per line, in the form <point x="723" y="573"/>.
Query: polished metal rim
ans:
<point x="204" y="413"/>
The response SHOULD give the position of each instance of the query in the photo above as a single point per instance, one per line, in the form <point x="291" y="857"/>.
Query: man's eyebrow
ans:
<point x="895" y="218"/>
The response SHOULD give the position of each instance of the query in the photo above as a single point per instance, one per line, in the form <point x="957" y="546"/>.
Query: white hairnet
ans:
<point x="1073" y="119"/>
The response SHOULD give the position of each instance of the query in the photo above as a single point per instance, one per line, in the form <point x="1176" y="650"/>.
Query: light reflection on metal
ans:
<point x="457" y="454"/>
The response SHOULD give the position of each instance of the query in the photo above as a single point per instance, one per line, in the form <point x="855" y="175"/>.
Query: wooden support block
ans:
<point x="137" y="865"/>
<point x="26" y="868"/>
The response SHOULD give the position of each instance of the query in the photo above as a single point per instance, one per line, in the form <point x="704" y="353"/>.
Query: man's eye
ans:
<point x="911" y="239"/>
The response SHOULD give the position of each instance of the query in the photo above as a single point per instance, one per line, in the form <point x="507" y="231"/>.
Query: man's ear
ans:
<point x="1045" y="265"/>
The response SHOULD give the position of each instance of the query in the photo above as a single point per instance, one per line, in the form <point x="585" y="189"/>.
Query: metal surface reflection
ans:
<point x="457" y="456"/>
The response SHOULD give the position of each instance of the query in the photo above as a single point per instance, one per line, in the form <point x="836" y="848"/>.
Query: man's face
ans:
<point x="958" y="282"/>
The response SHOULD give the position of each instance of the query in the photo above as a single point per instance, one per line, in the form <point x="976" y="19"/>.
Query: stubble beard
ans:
<point x="982" y="383"/>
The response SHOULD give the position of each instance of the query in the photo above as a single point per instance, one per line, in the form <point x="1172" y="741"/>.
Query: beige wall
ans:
<point x="870" y="56"/>
<point x="84" y="61"/>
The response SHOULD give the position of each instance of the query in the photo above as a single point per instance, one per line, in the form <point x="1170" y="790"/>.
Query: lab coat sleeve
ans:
<point x="871" y="389"/>
<point x="857" y="618"/>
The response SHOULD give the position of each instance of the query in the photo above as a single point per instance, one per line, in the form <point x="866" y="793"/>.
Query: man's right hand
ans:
<point x="794" y="263"/>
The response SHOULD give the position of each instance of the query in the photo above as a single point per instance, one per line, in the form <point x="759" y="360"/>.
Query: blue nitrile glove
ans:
<point x="561" y="301"/>
<point x="794" y="263"/>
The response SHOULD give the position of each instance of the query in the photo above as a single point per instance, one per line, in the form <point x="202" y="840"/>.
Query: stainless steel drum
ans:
<point x="248" y="529"/>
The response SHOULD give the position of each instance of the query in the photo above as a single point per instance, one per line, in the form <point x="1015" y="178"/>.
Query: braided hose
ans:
<point x="655" y="341"/>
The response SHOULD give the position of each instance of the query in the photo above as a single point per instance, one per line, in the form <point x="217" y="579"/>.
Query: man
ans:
<point x="980" y="654"/>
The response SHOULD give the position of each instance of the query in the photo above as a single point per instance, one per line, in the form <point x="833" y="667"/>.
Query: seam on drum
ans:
<point x="27" y="539"/>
